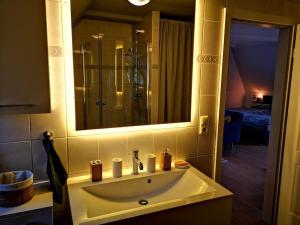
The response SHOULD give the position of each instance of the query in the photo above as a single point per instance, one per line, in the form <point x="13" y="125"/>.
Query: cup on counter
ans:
<point x="117" y="167"/>
<point x="151" y="162"/>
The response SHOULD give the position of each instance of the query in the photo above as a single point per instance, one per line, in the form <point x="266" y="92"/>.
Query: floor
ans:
<point x="244" y="174"/>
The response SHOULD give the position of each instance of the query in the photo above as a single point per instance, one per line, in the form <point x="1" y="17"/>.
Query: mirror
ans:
<point x="132" y="64"/>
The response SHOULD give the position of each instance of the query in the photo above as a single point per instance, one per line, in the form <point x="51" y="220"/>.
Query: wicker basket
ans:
<point x="16" y="188"/>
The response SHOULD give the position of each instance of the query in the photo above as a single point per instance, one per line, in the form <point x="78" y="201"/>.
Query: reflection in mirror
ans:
<point x="132" y="64"/>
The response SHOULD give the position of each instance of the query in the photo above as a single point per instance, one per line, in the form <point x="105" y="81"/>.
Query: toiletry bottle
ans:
<point x="96" y="170"/>
<point x="165" y="160"/>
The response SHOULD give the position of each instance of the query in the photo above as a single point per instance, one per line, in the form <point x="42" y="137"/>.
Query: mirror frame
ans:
<point x="69" y="81"/>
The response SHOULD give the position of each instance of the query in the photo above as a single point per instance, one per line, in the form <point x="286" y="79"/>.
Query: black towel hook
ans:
<point x="48" y="134"/>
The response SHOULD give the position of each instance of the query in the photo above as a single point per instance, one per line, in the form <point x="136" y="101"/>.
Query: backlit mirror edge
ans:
<point x="69" y="81"/>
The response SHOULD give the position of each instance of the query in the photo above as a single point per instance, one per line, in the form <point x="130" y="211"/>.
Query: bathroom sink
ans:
<point x="135" y="187"/>
<point x="114" y="199"/>
<point x="139" y="191"/>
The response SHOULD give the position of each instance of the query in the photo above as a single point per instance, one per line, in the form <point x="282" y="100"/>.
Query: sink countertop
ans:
<point x="79" y="209"/>
<point x="42" y="199"/>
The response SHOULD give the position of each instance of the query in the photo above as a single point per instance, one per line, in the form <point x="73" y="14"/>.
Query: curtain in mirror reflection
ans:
<point x="176" y="52"/>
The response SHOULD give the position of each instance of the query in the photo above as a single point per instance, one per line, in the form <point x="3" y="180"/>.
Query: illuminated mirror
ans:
<point x="132" y="64"/>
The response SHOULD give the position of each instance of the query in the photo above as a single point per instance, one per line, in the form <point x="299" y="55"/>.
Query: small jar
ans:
<point x="117" y="167"/>
<point x="151" y="163"/>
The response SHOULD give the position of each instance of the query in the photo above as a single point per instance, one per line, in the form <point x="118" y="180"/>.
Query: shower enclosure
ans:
<point x="112" y="81"/>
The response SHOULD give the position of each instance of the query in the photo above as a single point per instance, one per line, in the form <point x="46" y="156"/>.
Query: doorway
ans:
<point x="254" y="118"/>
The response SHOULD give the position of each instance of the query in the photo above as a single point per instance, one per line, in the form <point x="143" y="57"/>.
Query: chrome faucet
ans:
<point x="136" y="162"/>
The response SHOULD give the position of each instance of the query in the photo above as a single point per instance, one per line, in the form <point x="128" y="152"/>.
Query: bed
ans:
<point x="256" y="124"/>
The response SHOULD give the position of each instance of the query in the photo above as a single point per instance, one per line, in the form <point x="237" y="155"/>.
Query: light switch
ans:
<point x="204" y="124"/>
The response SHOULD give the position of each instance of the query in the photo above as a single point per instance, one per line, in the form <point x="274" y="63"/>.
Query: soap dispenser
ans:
<point x="165" y="160"/>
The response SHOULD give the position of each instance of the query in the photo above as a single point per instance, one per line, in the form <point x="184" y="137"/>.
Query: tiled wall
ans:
<point x="289" y="8"/>
<point x="20" y="135"/>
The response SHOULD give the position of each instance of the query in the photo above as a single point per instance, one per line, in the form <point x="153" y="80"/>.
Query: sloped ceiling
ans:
<point x="255" y="50"/>
<point x="185" y="8"/>
<point x="78" y="7"/>
<point x="173" y="8"/>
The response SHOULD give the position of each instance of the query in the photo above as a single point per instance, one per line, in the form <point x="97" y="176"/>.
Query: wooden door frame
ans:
<point x="287" y="211"/>
<point x="279" y="21"/>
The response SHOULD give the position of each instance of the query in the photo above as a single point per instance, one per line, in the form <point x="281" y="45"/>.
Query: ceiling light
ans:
<point x="139" y="2"/>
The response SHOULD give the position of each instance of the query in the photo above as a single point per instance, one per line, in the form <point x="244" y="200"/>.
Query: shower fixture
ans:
<point x="83" y="52"/>
<point x="100" y="102"/>
<point x="119" y="73"/>
<point x="139" y="2"/>
<point x="97" y="36"/>
<point x="137" y="76"/>
<point x="140" y="31"/>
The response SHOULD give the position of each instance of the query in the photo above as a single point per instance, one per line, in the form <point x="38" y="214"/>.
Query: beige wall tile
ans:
<point x="165" y="139"/>
<point x="208" y="107"/>
<point x="235" y="4"/>
<point x="253" y="5"/>
<point x="186" y="143"/>
<point x="203" y="163"/>
<point x="274" y="7"/>
<point x="56" y="120"/>
<point x="206" y="142"/>
<point x="257" y="5"/>
<point x="81" y="151"/>
<point x="14" y="128"/>
<point x="200" y="25"/>
<point x="213" y="9"/>
<point x="209" y="79"/>
<point x="39" y="157"/>
<point x="193" y="161"/>
<point x="113" y="146"/>
<point x="54" y="23"/>
<point x="211" y="38"/>
<point x="60" y="145"/>
<point x="143" y="141"/>
<point x="291" y="9"/>
<point x="78" y="151"/>
<point x="15" y="156"/>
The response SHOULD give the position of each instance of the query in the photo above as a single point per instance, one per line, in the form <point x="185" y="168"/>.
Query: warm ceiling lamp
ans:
<point x="139" y="2"/>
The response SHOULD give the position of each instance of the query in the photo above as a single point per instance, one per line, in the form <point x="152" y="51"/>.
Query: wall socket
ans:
<point x="204" y="124"/>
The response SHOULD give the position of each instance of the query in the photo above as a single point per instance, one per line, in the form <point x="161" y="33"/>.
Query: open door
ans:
<point x="289" y="200"/>
<point x="279" y="114"/>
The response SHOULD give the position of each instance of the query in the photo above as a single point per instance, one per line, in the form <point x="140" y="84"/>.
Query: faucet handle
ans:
<point x="135" y="151"/>
<point x="141" y="166"/>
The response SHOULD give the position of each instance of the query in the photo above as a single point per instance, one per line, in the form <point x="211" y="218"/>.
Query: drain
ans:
<point x="143" y="202"/>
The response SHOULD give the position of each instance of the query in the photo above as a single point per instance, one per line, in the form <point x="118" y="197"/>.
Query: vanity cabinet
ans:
<point x="203" y="213"/>
<point x="37" y="211"/>
<point x="37" y="217"/>
<point x="24" y="72"/>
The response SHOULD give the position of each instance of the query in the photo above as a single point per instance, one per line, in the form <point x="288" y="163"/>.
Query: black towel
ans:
<point x="55" y="170"/>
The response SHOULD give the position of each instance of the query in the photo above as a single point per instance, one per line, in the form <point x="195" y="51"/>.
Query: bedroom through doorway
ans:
<point x="253" y="121"/>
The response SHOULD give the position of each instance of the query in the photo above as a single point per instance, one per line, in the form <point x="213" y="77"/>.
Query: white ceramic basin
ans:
<point x="119" y="198"/>
<point x="135" y="187"/>
<point x="126" y="194"/>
